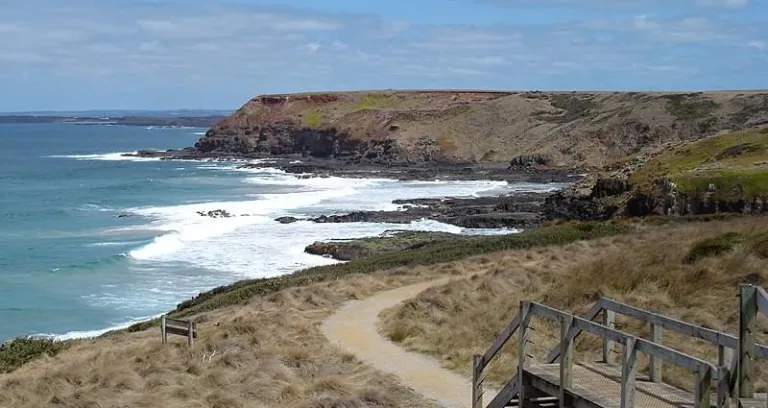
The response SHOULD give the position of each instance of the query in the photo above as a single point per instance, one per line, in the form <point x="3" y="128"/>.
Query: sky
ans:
<point x="174" y="54"/>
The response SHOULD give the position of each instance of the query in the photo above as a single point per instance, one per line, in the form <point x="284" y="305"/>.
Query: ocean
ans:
<point x="71" y="267"/>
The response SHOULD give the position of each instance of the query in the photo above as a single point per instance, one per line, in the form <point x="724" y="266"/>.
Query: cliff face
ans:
<point x="546" y="128"/>
<point x="726" y="173"/>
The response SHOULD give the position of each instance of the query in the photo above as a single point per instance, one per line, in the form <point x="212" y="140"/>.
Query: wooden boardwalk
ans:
<point x="561" y="382"/>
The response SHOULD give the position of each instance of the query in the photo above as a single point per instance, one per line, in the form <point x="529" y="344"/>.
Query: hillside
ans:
<point x="723" y="173"/>
<point x="561" y="129"/>
<point x="689" y="271"/>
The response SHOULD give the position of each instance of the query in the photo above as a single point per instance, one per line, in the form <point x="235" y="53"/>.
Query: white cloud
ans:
<point x="232" y="50"/>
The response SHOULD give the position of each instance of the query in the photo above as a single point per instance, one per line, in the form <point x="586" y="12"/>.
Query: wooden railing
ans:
<point x="753" y="300"/>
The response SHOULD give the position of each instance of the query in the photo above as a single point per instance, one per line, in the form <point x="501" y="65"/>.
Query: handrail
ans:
<point x="753" y="300"/>
<point x="500" y="341"/>
<point x="715" y="337"/>
<point x="665" y="353"/>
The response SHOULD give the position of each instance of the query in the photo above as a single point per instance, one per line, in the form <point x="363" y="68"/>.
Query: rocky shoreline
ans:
<point x="517" y="211"/>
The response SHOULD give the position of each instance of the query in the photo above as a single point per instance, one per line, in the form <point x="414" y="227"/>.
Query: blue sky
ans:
<point x="168" y="54"/>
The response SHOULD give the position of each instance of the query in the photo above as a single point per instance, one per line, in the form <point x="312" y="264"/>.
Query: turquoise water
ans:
<point x="70" y="267"/>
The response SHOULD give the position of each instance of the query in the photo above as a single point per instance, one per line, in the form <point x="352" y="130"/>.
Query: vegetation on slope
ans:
<point x="22" y="351"/>
<point x="688" y="271"/>
<point x="584" y="129"/>
<point x="734" y="163"/>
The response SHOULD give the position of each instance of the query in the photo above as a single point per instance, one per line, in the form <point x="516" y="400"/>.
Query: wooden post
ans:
<point x="703" y="394"/>
<point x="747" y="319"/>
<point x="654" y="364"/>
<point x="190" y="332"/>
<point x="608" y="345"/>
<point x="628" y="360"/>
<point x="477" y="385"/>
<point x="566" y="358"/>
<point x="523" y="350"/>
<point x="724" y="356"/>
<point x="163" y="333"/>
<point x="723" y="387"/>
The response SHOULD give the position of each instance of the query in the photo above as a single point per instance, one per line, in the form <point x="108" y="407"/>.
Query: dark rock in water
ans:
<point x="390" y="241"/>
<point x="124" y="215"/>
<point x="287" y="220"/>
<point x="215" y="214"/>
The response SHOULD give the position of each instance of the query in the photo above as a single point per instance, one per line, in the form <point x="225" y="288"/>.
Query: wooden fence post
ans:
<point x="566" y="358"/>
<point x="162" y="329"/>
<point x="654" y="364"/>
<point x="477" y="385"/>
<point x="703" y="394"/>
<point x="523" y="350"/>
<point x="723" y="387"/>
<point x="628" y="373"/>
<point x="608" y="345"/>
<point x="190" y="332"/>
<point x="747" y="319"/>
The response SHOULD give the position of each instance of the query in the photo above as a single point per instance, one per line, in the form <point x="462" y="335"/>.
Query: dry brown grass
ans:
<point x="269" y="353"/>
<point x="647" y="270"/>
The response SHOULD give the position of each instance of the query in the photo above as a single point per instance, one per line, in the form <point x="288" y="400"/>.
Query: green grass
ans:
<point x="21" y="351"/>
<point x="714" y="246"/>
<point x="729" y="184"/>
<point x="240" y="292"/>
<point x="313" y="119"/>
<point x="727" y="161"/>
<point x="377" y="101"/>
<point x="756" y="244"/>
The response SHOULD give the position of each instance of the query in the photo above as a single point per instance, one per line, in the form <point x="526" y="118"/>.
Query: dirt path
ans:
<point x="353" y="327"/>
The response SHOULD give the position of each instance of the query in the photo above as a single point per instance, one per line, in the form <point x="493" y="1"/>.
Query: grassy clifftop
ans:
<point x="730" y="165"/>
<point x="565" y="128"/>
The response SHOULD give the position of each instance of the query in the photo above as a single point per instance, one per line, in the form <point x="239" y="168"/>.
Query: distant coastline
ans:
<point x="159" y="121"/>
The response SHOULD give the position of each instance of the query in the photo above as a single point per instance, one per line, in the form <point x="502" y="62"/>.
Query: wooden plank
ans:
<point x="506" y="394"/>
<point x="702" y="393"/>
<point x="554" y="355"/>
<point x="723" y="387"/>
<point x="525" y="318"/>
<point x="600" y="330"/>
<point x="163" y="331"/>
<point x="762" y="300"/>
<point x="654" y="364"/>
<point x="477" y="386"/>
<point x="175" y="322"/>
<point x="679" y="326"/>
<point x="747" y="321"/>
<point x="585" y="325"/>
<point x="628" y="373"/>
<point x="500" y="341"/>
<point x="608" y="345"/>
<point x="672" y="356"/>
<point x="190" y="333"/>
<point x="179" y="331"/>
<point x="566" y="359"/>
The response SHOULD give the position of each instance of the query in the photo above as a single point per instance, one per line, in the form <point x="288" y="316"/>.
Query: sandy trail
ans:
<point x="353" y="327"/>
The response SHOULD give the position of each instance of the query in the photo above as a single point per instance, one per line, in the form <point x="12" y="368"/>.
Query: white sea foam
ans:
<point x="183" y="224"/>
<point x="252" y="244"/>
<point x="118" y="156"/>
<point x="89" y="334"/>
<point x="115" y="244"/>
